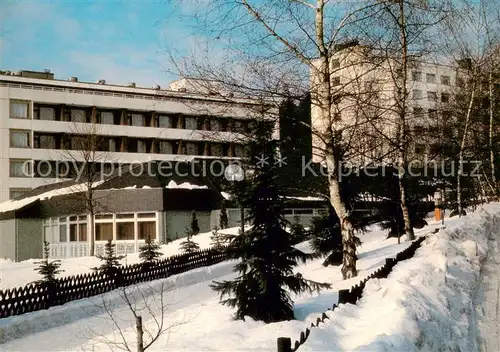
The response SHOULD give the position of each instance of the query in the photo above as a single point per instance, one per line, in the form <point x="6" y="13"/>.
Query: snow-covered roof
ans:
<point x="185" y="185"/>
<point x="307" y="199"/>
<point x="227" y="196"/>
<point x="12" y="205"/>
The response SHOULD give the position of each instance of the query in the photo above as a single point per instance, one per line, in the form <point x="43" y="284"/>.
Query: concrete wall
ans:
<point x="8" y="239"/>
<point x="30" y="239"/>
<point x="177" y="221"/>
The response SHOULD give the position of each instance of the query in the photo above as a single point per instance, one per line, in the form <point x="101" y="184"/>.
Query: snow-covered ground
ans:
<point x="15" y="274"/>
<point x="205" y="324"/>
<point x="427" y="303"/>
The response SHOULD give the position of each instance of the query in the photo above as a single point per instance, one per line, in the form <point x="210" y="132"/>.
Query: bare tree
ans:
<point x="271" y="50"/>
<point x="84" y="148"/>
<point x="474" y="42"/>
<point x="147" y="307"/>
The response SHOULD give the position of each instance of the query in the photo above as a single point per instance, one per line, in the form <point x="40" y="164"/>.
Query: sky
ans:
<point x="119" y="41"/>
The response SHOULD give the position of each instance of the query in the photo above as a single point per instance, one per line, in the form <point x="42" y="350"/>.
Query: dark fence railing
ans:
<point x="350" y="296"/>
<point x="33" y="297"/>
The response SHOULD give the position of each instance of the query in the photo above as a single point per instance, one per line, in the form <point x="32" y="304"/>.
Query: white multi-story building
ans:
<point x="41" y="119"/>
<point x="366" y="110"/>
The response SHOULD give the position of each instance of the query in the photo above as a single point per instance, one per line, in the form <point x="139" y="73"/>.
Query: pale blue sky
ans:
<point x="119" y="41"/>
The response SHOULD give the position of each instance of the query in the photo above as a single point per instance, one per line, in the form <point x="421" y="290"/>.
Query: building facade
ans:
<point x="42" y="120"/>
<point x="366" y="110"/>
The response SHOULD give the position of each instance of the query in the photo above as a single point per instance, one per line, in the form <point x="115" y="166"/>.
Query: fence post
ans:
<point x="284" y="344"/>
<point x="343" y="296"/>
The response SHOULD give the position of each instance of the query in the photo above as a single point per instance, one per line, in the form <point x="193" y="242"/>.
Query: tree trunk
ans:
<point x="92" y="233"/>
<point x="324" y="100"/>
<point x="348" y="244"/>
<point x="492" y="153"/>
<point x="140" y="333"/>
<point x="402" y="133"/>
<point x="461" y="152"/>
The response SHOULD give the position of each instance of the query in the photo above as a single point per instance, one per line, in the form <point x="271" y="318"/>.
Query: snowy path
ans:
<point x="488" y="300"/>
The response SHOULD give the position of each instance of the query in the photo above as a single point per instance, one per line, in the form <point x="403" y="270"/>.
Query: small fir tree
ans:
<point x="48" y="269"/>
<point x="188" y="245"/>
<point x="195" y="227"/>
<point x="150" y="252"/>
<point x="223" y="219"/>
<point x="110" y="260"/>
<point x="217" y="238"/>
<point x="297" y="231"/>
<point x="265" y="252"/>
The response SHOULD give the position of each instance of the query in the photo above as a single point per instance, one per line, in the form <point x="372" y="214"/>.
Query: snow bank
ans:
<point x="425" y="304"/>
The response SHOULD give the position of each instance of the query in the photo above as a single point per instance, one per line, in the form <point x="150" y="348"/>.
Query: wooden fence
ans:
<point x="33" y="297"/>
<point x="284" y="344"/>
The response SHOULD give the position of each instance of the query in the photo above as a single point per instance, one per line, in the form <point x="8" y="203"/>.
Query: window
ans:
<point x="146" y="215"/>
<point x="419" y="148"/>
<point x="82" y="232"/>
<point x="417" y="94"/>
<point x="217" y="150"/>
<point x="138" y="120"/>
<point x="216" y="125"/>
<point x="335" y="64"/>
<point x="418" y="130"/>
<point x="191" y="123"/>
<point x="124" y="231"/>
<point x="62" y="233"/>
<point x="191" y="149"/>
<point x="303" y="211"/>
<point x="146" y="228"/>
<point x="20" y="168"/>
<point x="166" y="147"/>
<point x="431" y="78"/>
<point x="107" y="118"/>
<point x="104" y="217"/>
<point x="141" y="147"/>
<point x="239" y="150"/>
<point x="73" y="233"/>
<point x="164" y="121"/>
<point x="103" y="231"/>
<point x="432" y="96"/>
<point x="445" y="97"/>
<point x="418" y="111"/>
<point x="432" y="113"/>
<point x="18" y="193"/>
<point x="46" y="113"/>
<point x="445" y="80"/>
<point x="19" y="110"/>
<point x="78" y="115"/>
<point x="460" y="82"/>
<point x="335" y="81"/>
<point x="417" y="76"/>
<point x="124" y="216"/>
<point x="19" y="139"/>
<point x="44" y="142"/>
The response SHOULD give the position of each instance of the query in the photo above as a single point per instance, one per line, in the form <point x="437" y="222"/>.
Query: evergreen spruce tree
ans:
<point x="110" y="261"/>
<point x="265" y="252"/>
<point x="150" y="252"/>
<point x="188" y="245"/>
<point x="195" y="228"/>
<point x="48" y="269"/>
<point x="217" y="238"/>
<point x="223" y="220"/>
<point x="297" y="231"/>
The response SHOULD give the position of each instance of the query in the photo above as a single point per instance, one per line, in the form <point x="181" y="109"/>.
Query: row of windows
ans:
<point x="60" y="141"/>
<point x="120" y="227"/>
<point x="418" y="76"/>
<point x="431" y="96"/>
<point x="21" y="110"/>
